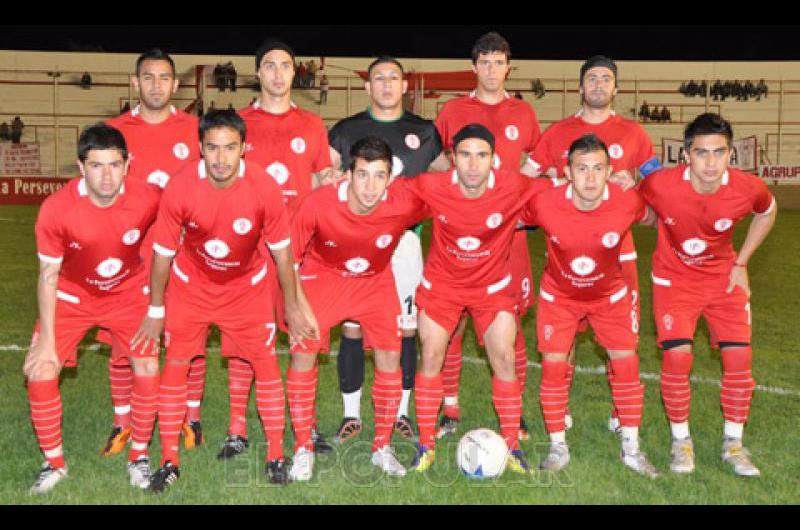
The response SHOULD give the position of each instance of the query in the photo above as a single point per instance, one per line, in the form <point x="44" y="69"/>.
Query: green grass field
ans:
<point x="595" y="475"/>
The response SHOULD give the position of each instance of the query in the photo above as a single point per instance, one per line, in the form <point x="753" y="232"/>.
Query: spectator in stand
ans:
<point x="16" y="130"/>
<point x="302" y="71"/>
<point x="644" y="112"/>
<point x="86" y="81"/>
<point x="666" y="115"/>
<point x="324" y="86"/>
<point x="219" y="78"/>
<point x="125" y="108"/>
<point x="761" y="90"/>
<point x="5" y="132"/>
<point x="312" y="73"/>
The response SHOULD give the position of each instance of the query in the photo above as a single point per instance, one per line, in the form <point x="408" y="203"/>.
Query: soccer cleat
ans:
<point x="278" y="471"/>
<point x="557" y="459"/>
<point x="321" y="445"/>
<point x="232" y="446"/>
<point x="568" y="421"/>
<point x="350" y="428"/>
<point x="385" y="459"/>
<point x="192" y="434"/>
<point x="638" y="462"/>
<point x="405" y="428"/>
<point x="302" y="467"/>
<point x="682" y="456"/>
<point x="735" y="454"/>
<point x="423" y="460"/>
<point x="139" y="473"/>
<point x="164" y="477"/>
<point x="117" y="440"/>
<point x="518" y="462"/>
<point x="47" y="479"/>
<point x="524" y="433"/>
<point x="447" y="425"/>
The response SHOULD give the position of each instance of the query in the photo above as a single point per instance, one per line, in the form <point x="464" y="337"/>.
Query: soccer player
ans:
<point x="344" y="238"/>
<point x="514" y="125"/>
<point x="415" y="144"/>
<point x="475" y="210"/>
<point x="291" y="146"/>
<point x="161" y="141"/>
<point x="583" y="226"/>
<point x="697" y="272"/>
<point x="629" y="147"/>
<point x="91" y="273"/>
<point x="225" y="209"/>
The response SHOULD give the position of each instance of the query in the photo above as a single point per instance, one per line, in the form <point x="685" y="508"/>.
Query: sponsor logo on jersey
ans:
<point x="413" y="141"/>
<point x="583" y="265"/>
<point x="669" y="221"/>
<point x="548" y="332"/>
<point x="216" y="248"/>
<point x="512" y="133"/>
<point x="279" y="172"/>
<point x="694" y="247"/>
<point x="468" y="243"/>
<point x="384" y="241"/>
<point x="442" y="218"/>
<point x="331" y="244"/>
<point x="298" y="145"/>
<point x="181" y="151"/>
<point x="722" y="225"/>
<point x="610" y="239"/>
<point x="494" y="220"/>
<point x="192" y="224"/>
<point x="248" y="147"/>
<point x="615" y="151"/>
<point x="75" y="246"/>
<point x="158" y="178"/>
<point x="357" y="265"/>
<point x="555" y="240"/>
<point x="131" y="237"/>
<point x="242" y="226"/>
<point x="109" y="268"/>
<point x="668" y="322"/>
<point x="397" y="166"/>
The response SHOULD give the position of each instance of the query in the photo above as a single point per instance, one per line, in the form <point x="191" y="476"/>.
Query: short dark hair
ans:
<point x="371" y="148"/>
<point x="491" y="42"/>
<point x="588" y="143"/>
<point x="601" y="61"/>
<point x="101" y="136"/>
<point x="474" y="130"/>
<point x="218" y="118"/>
<point x="156" y="54"/>
<point x="704" y="124"/>
<point x="269" y="45"/>
<point x="385" y="59"/>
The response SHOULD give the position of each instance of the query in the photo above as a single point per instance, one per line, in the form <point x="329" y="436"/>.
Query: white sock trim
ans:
<point x="352" y="404"/>
<point x="558" y="437"/>
<point x="193" y="404"/>
<point x="138" y="446"/>
<point x="402" y="410"/>
<point x="451" y="401"/>
<point x="733" y="430"/>
<point x="124" y="409"/>
<point x="54" y="453"/>
<point x="680" y="431"/>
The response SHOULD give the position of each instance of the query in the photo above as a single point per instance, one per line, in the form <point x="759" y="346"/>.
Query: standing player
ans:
<point x="629" y="147"/>
<point x="91" y="274"/>
<point x="226" y="209"/>
<point x="415" y="144"/>
<point x="291" y="146"/>
<point x="697" y="272"/>
<point x="344" y="238"/>
<point x="513" y="124"/>
<point x="161" y="141"/>
<point x="583" y="227"/>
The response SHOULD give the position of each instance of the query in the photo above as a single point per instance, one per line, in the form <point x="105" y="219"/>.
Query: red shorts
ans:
<point x="120" y="314"/>
<point x="676" y="310"/>
<point x="522" y="282"/>
<point x="372" y="302"/>
<point x="613" y="320"/>
<point x="445" y="304"/>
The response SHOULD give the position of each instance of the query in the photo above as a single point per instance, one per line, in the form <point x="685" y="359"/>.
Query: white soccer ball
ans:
<point x="482" y="454"/>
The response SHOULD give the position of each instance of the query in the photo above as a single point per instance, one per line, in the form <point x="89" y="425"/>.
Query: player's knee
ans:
<point x="145" y="367"/>
<point x="677" y="345"/>
<point x="303" y="362"/>
<point x="45" y="372"/>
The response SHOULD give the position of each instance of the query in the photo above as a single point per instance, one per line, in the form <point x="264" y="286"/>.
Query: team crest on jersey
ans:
<point x="548" y="332"/>
<point x="216" y="248"/>
<point x="397" y="166"/>
<point x="242" y="226"/>
<point x="615" y="151"/>
<point x="109" y="268"/>
<point x="131" y="237"/>
<point x="494" y="220"/>
<point x="668" y="322"/>
<point x="181" y="151"/>
<point x="413" y="141"/>
<point x="357" y="265"/>
<point x="279" y="172"/>
<point x="468" y="243"/>
<point x="722" y="225"/>
<point x="583" y="265"/>
<point x="610" y="239"/>
<point x="694" y="247"/>
<point x="298" y="145"/>
<point x="512" y="133"/>
<point x="384" y="241"/>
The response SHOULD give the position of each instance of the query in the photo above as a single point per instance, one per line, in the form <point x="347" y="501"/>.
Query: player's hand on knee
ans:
<point x="148" y="335"/>
<point x="41" y="363"/>
<point x="739" y="277"/>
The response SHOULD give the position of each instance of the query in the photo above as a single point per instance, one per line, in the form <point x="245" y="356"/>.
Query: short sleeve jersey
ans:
<point x="222" y="227"/>
<point x="98" y="248"/>
<point x="290" y="147"/>
<point x="414" y="141"/>
<point x="583" y="247"/>
<point x="158" y="151"/>
<point x="512" y="122"/>
<point x="327" y="234"/>
<point x="471" y="240"/>
<point x="695" y="231"/>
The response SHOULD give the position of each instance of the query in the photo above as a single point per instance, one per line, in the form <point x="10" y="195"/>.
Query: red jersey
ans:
<point x="222" y="226"/>
<point x="290" y="147"/>
<point x="327" y="234"/>
<point x="97" y="247"/>
<point x="695" y="232"/>
<point x="158" y="151"/>
<point x="512" y="122"/>
<point x="629" y="146"/>
<point x="471" y="240"/>
<point x="583" y="247"/>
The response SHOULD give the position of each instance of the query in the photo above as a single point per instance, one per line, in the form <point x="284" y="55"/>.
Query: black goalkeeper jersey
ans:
<point x="415" y="141"/>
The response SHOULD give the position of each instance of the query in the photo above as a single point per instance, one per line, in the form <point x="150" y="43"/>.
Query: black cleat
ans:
<point x="164" y="477"/>
<point x="349" y="429"/>
<point x="278" y="471"/>
<point x="321" y="445"/>
<point x="232" y="446"/>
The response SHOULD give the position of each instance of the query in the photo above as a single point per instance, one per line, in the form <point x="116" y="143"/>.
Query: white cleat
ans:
<point x="47" y="479"/>
<point x="567" y="422"/>
<point x="614" y="425"/>
<point x="302" y="466"/>
<point x="139" y="473"/>
<point x="638" y="462"/>
<point x="735" y="454"/>
<point x="557" y="459"/>
<point x="385" y="459"/>
<point x="682" y="456"/>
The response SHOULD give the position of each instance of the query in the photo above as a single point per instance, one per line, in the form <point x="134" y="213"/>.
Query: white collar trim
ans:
<point x="201" y="169"/>
<point x="83" y="191"/>
<point x="726" y="177"/>
<point x="138" y="109"/>
<point x="568" y="193"/>
<point x="491" y="180"/>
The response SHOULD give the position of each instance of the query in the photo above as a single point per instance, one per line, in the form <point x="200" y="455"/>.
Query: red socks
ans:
<point x="271" y="405"/>
<point x="507" y="399"/>
<point x="44" y="398"/>
<point x="554" y="395"/>
<point x="144" y="404"/>
<point x="172" y="409"/>
<point x="120" y="380"/>
<point x="196" y="384"/>
<point x="386" y="394"/>
<point x="428" y="396"/>
<point x="675" y="390"/>
<point x="240" y="379"/>
<point x="520" y="358"/>
<point x="737" y="384"/>
<point x="451" y="374"/>
<point x="301" y="388"/>
<point x="627" y="392"/>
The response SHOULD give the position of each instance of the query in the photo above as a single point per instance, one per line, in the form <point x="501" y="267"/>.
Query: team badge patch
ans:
<point x="357" y="265"/>
<point x="384" y="241"/>
<point x="615" y="151"/>
<point x="279" y="172"/>
<point x="242" y="226"/>
<point x="722" y="225"/>
<point x="131" y="237"/>
<point x="668" y="322"/>
<point x="109" y="268"/>
<point x="512" y="133"/>
<point x="694" y="247"/>
<point x="610" y="239"/>
<point x="468" y="243"/>
<point x="298" y="145"/>
<point x="412" y="141"/>
<point x="158" y="178"/>
<point x="548" y="332"/>
<point x="494" y="220"/>
<point x="181" y="151"/>
<point x="217" y="249"/>
<point x="583" y="266"/>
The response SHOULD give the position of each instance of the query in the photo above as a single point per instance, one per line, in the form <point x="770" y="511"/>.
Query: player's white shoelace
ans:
<point x="302" y="466"/>
<point x="385" y="459"/>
